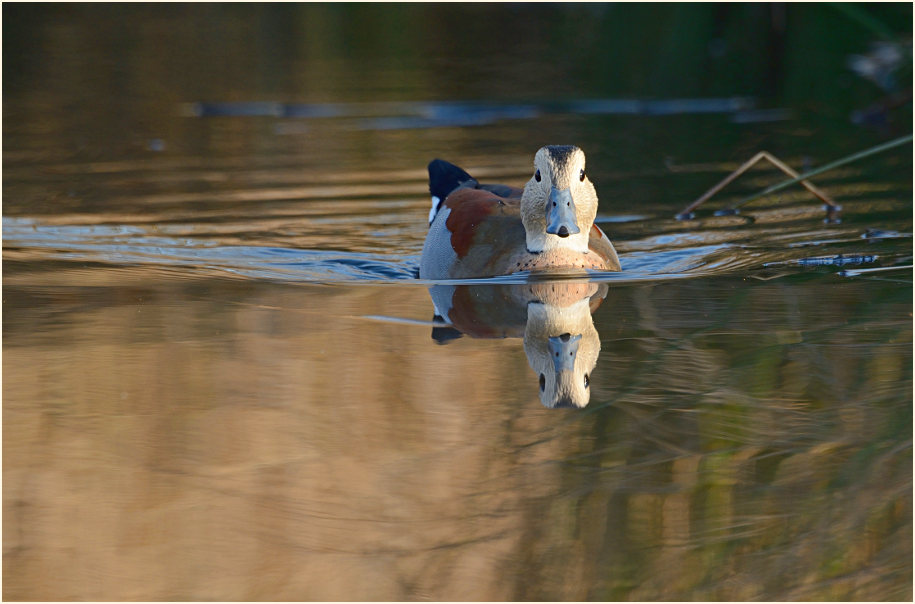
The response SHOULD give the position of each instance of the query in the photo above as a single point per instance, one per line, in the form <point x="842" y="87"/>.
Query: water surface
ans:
<point x="222" y="379"/>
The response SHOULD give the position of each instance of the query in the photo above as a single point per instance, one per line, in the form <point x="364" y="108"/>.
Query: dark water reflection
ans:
<point x="222" y="381"/>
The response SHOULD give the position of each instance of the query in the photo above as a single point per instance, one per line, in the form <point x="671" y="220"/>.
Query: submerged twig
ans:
<point x="831" y="209"/>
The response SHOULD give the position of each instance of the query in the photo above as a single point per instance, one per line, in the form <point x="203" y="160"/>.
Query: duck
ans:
<point x="485" y="230"/>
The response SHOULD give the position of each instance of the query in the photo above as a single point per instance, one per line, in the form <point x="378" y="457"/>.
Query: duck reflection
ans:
<point x="554" y="318"/>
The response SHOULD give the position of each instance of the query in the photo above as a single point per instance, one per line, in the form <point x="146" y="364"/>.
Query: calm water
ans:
<point x="222" y="381"/>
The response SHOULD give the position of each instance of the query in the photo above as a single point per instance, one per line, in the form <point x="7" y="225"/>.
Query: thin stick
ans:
<point x="840" y="162"/>
<point x="796" y="178"/>
<point x="746" y="166"/>
<point x="807" y="185"/>
<point x="743" y="168"/>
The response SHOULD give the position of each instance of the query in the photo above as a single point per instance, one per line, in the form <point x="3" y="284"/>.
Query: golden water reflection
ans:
<point x="206" y="439"/>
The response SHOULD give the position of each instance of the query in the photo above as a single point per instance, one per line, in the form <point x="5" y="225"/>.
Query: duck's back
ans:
<point x="473" y="234"/>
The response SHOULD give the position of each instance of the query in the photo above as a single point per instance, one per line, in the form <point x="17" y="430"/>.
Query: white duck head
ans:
<point x="559" y="203"/>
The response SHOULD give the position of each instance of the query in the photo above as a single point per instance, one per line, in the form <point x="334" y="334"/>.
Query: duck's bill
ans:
<point x="560" y="214"/>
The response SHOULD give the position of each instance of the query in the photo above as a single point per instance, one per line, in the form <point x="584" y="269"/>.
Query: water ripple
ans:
<point x="645" y="253"/>
<point x="130" y="245"/>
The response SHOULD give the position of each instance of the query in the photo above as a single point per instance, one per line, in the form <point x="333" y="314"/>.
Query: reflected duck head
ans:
<point x="554" y="318"/>
<point x="559" y="203"/>
<point x="562" y="347"/>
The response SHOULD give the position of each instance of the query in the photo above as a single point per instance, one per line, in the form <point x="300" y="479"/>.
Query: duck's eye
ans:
<point x="542" y="382"/>
<point x="587" y="381"/>
<point x="581" y="175"/>
<point x="537" y="175"/>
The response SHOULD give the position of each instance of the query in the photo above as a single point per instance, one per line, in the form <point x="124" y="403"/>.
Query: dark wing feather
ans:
<point x="445" y="177"/>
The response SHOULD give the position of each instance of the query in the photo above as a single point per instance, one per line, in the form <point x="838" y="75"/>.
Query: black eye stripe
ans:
<point x="537" y="176"/>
